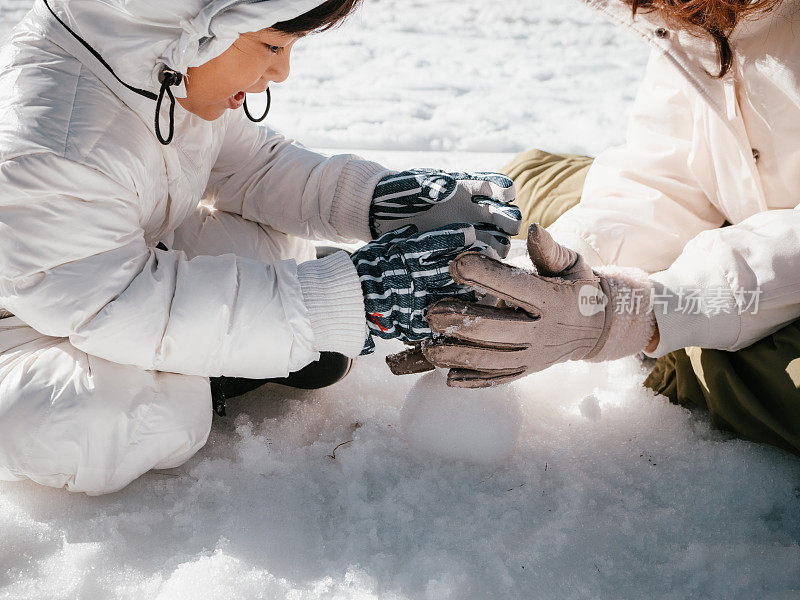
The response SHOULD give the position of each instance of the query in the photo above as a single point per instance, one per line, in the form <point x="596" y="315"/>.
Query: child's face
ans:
<point x="249" y="65"/>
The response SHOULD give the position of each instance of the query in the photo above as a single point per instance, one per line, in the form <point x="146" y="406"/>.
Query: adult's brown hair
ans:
<point x="323" y="17"/>
<point x="718" y="18"/>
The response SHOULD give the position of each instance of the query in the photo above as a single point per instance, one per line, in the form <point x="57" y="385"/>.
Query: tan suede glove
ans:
<point x="566" y="311"/>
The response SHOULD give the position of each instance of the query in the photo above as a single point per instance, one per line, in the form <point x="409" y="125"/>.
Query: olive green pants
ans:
<point x="754" y="392"/>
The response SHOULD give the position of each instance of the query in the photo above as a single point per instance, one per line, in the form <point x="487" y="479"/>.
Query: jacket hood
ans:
<point x="138" y="37"/>
<point x="695" y="56"/>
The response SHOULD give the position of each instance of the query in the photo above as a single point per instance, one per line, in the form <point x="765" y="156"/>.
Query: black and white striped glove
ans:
<point x="430" y="198"/>
<point x="404" y="271"/>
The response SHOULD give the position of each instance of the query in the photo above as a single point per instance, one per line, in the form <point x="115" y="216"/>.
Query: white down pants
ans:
<point x="72" y="420"/>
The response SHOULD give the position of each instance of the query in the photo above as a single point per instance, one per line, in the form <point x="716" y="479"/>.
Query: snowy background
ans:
<point x="610" y="493"/>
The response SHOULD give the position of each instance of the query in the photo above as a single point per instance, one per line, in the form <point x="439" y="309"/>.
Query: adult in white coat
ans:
<point x="126" y="293"/>
<point x="714" y="140"/>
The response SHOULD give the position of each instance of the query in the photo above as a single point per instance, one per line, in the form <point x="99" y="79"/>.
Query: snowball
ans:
<point x="478" y="426"/>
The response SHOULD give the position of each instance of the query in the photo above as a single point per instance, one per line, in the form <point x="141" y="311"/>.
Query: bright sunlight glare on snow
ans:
<point x="609" y="492"/>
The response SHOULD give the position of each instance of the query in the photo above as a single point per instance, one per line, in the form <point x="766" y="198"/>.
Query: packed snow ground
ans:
<point x="611" y="492"/>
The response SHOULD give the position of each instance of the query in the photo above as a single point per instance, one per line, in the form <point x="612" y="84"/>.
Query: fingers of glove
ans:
<point x="439" y="280"/>
<point x="511" y="284"/>
<point x="465" y="298"/>
<point x="492" y="185"/>
<point x="442" y="257"/>
<point x="437" y="187"/>
<point x="485" y="325"/>
<point x="415" y="188"/>
<point x="411" y="336"/>
<point x="428" y="251"/>
<point x="402" y="316"/>
<point x="551" y="258"/>
<point x="389" y="262"/>
<point x="504" y="215"/>
<point x="453" y="353"/>
<point x="369" y="346"/>
<point x="482" y="178"/>
<point x="446" y="236"/>
<point x="405" y="331"/>
<point x="467" y="378"/>
<point x="394" y="236"/>
<point x="409" y="362"/>
<point x="402" y="281"/>
<point x="494" y="237"/>
<point x="415" y="328"/>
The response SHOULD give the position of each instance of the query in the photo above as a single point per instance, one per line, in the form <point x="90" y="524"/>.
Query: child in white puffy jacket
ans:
<point x="126" y="293"/>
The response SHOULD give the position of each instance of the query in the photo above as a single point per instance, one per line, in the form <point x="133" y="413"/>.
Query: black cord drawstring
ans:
<point x="167" y="78"/>
<point x="266" y="112"/>
<point x="96" y="54"/>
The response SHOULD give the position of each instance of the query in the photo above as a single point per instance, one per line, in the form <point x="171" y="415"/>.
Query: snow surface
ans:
<point x="611" y="492"/>
<point x="479" y="426"/>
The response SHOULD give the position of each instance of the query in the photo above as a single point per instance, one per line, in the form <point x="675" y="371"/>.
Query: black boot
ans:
<point x="330" y="368"/>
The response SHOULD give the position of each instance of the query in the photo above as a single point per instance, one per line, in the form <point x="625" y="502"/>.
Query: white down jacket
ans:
<point x="87" y="192"/>
<point x="700" y="151"/>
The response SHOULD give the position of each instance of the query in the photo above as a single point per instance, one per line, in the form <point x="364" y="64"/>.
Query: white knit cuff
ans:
<point x="335" y="303"/>
<point x="633" y="321"/>
<point x="353" y="198"/>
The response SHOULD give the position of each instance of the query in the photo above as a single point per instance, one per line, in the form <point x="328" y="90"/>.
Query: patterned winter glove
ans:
<point x="404" y="271"/>
<point x="429" y="198"/>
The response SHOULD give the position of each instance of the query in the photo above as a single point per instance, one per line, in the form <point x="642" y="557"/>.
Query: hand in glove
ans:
<point x="428" y="199"/>
<point x="565" y="312"/>
<point x="404" y="271"/>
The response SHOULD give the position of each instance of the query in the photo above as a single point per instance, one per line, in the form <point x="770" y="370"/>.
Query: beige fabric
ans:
<point x="572" y="314"/>
<point x="547" y="184"/>
<point x="754" y="392"/>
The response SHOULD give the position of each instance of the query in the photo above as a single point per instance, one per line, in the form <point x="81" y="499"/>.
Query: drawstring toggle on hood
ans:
<point x="154" y="44"/>
<point x="167" y="78"/>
